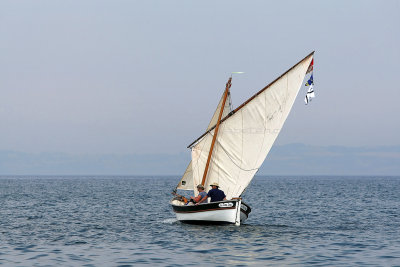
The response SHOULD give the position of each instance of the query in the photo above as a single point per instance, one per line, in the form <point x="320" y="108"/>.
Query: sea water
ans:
<point x="127" y="221"/>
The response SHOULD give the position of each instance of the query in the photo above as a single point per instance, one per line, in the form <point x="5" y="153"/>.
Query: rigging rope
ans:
<point x="247" y="170"/>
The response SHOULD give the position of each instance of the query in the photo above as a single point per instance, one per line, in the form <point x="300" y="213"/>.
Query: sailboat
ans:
<point x="234" y="146"/>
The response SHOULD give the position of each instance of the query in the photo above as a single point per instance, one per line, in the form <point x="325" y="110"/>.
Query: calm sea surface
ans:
<point x="127" y="221"/>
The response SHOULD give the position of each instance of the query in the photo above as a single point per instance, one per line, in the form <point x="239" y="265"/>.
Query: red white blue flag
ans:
<point x="311" y="67"/>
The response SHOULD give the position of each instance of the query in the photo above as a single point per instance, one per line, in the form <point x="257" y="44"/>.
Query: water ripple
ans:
<point x="126" y="221"/>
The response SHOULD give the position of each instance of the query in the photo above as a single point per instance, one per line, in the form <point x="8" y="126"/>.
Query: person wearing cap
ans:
<point x="215" y="193"/>
<point x="202" y="194"/>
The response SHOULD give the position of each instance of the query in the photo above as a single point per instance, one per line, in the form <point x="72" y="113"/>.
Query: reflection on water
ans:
<point x="126" y="221"/>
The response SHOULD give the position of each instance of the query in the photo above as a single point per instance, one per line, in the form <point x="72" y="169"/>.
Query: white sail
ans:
<point x="245" y="138"/>
<point x="225" y="112"/>
<point x="186" y="183"/>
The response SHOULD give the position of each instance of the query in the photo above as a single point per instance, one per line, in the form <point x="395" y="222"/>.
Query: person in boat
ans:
<point x="215" y="193"/>
<point x="202" y="194"/>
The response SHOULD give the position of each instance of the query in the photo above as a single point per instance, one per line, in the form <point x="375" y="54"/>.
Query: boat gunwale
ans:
<point x="202" y="207"/>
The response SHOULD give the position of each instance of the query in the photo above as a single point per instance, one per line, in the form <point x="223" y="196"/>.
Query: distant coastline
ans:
<point x="291" y="159"/>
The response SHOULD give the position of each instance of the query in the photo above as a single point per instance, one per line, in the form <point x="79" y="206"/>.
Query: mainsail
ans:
<point x="246" y="136"/>
<point x="186" y="183"/>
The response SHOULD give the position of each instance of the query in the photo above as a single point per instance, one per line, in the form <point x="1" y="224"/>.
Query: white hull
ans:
<point x="225" y="212"/>
<point x="228" y="216"/>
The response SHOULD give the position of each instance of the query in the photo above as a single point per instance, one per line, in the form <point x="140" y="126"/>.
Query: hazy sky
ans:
<point x="146" y="76"/>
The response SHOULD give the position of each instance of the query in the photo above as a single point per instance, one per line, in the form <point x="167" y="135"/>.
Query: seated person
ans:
<point x="202" y="194"/>
<point x="215" y="193"/>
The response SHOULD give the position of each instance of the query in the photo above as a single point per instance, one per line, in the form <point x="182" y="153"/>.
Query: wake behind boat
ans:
<point x="234" y="146"/>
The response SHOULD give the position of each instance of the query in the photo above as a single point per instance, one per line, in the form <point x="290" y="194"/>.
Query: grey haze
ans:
<point x="144" y="77"/>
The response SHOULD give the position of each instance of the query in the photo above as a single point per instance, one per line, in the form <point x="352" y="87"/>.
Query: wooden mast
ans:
<point x="228" y="85"/>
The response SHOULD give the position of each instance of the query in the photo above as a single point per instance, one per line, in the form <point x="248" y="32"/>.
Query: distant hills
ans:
<point x="298" y="159"/>
<point x="292" y="159"/>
